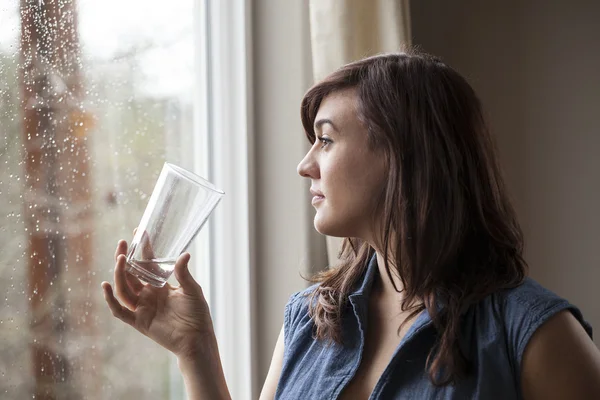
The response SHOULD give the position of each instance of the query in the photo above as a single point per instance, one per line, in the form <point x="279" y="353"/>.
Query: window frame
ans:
<point x="222" y="139"/>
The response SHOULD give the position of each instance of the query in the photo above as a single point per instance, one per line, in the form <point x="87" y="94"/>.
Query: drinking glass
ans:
<point x="180" y="204"/>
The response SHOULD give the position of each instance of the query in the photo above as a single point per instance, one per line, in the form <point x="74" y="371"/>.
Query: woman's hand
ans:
<point x="177" y="318"/>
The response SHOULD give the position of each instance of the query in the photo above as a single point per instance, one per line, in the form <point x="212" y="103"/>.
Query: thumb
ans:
<point x="183" y="276"/>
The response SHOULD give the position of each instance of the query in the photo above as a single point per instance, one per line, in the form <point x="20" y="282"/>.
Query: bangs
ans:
<point x="344" y="78"/>
<point x="308" y="110"/>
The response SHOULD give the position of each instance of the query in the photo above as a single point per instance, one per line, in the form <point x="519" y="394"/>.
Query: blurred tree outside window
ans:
<point x="94" y="97"/>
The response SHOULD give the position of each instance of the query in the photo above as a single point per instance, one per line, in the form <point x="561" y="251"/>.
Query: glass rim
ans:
<point x="194" y="178"/>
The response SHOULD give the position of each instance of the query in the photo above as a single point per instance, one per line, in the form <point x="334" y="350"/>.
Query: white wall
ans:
<point x="282" y="73"/>
<point x="536" y="66"/>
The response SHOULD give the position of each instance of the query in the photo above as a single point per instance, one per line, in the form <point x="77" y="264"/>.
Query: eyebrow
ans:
<point x="319" y="123"/>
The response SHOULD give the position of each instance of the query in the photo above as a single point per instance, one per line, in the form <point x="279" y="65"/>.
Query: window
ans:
<point x="94" y="97"/>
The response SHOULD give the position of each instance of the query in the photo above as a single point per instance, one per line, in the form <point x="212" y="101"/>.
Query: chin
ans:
<point x="325" y="226"/>
<point x="321" y="225"/>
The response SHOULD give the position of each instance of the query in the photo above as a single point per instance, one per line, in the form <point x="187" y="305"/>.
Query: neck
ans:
<point x="383" y="283"/>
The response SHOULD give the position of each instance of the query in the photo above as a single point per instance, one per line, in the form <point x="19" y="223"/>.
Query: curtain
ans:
<point x="343" y="31"/>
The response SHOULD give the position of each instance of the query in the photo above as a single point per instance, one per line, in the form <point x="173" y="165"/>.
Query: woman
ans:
<point x="431" y="298"/>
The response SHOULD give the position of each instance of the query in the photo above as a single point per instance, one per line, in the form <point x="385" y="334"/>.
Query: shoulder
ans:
<point x="525" y="308"/>
<point x="530" y="294"/>
<point x="298" y="301"/>
<point x="532" y="304"/>
<point x="296" y="314"/>
<point x="562" y="351"/>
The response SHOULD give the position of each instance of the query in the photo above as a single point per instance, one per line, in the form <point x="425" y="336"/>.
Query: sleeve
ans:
<point x="295" y="314"/>
<point x="528" y="308"/>
<point x="289" y="317"/>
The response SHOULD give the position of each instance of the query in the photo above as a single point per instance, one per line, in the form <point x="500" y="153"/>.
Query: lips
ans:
<point x="317" y="196"/>
<point x="316" y="192"/>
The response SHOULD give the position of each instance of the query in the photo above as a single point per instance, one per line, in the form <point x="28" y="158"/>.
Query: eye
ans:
<point x="324" y="141"/>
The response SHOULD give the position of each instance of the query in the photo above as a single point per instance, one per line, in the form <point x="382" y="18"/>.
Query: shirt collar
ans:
<point x="364" y="288"/>
<point x="372" y="271"/>
<point x="359" y="298"/>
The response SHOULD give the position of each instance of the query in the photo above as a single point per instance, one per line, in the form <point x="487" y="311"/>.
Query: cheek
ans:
<point x="353" y="180"/>
<point x="349" y="187"/>
<point x="339" y="172"/>
<point x="368" y="180"/>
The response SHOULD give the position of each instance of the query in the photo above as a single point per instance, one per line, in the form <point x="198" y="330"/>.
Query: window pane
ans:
<point x="94" y="97"/>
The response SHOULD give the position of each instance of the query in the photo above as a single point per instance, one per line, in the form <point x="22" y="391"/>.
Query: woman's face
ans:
<point x="346" y="175"/>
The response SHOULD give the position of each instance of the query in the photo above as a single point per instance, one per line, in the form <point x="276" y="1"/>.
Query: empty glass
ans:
<point x="178" y="208"/>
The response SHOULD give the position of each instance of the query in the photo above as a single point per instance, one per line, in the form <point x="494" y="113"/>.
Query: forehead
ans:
<point x="339" y="106"/>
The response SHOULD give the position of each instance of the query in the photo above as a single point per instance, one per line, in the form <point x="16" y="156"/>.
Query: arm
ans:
<point x="205" y="381"/>
<point x="561" y="362"/>
<point x="270" y="385"/>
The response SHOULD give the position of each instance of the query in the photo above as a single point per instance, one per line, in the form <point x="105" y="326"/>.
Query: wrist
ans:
<point x="203" y="373"/>
<point x="201" y="382"/>
<point x="202" y="350"/>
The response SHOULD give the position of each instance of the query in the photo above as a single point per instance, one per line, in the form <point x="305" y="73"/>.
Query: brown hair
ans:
<point x="447" y="220"/>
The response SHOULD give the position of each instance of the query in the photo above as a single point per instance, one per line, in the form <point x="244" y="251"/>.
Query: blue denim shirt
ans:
<point x="494" y="334"/>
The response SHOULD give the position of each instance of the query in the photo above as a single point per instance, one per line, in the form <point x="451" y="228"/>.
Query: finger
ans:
<point x="183" y="276"/>
<point x="134" y="283"/>
<point x="124" y="292"/>
<point x="117" y="310"/>
<point x="147" y="251"/>
<point x="121" y="248"/>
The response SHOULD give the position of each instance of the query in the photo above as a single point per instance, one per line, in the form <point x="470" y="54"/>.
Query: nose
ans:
<point x="308" y="167"/>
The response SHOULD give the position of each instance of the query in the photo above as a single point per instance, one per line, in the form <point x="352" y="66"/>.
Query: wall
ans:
<point x="535" y="65"/>
<point x="282" y="73"/>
